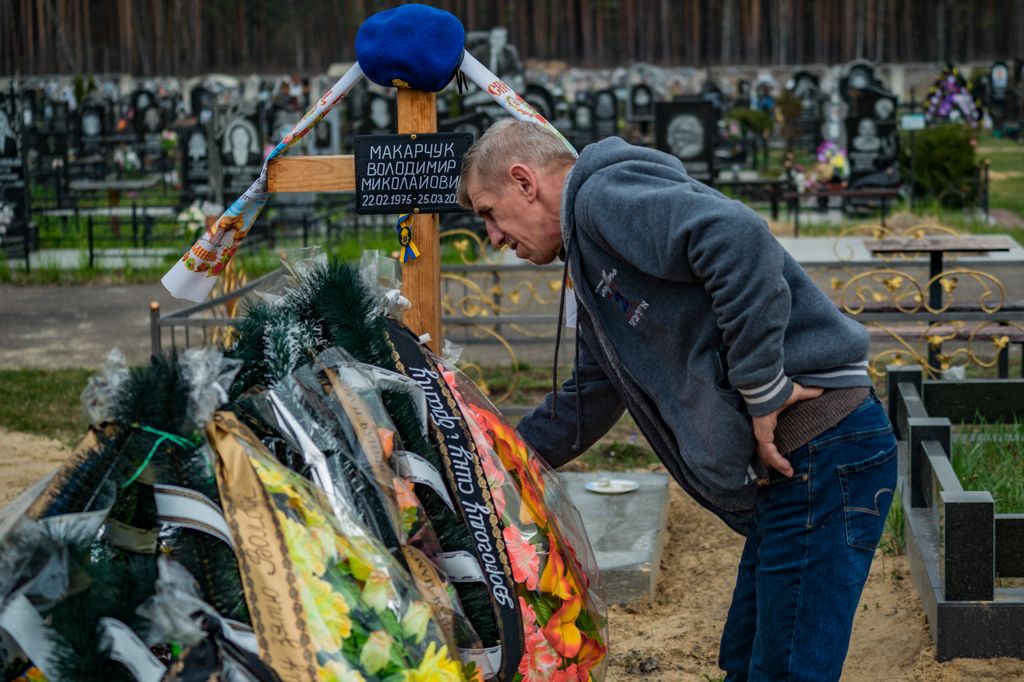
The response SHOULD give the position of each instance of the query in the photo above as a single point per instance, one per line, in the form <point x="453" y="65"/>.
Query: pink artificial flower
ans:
<point x="495" y="480"/>
<point x="540" y="661"/>
<point x="523" y="556"/>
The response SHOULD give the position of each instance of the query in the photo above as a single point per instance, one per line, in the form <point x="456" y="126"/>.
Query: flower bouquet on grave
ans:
<point x="327" y="601"/>
<point x="562" y="611"/>
<point x="833" y="164"/>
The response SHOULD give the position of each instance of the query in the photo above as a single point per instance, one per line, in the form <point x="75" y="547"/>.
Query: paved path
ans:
<point x="76" y="326"/>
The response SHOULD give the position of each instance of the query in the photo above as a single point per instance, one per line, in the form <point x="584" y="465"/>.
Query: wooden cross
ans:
<point x="421" y="278"/>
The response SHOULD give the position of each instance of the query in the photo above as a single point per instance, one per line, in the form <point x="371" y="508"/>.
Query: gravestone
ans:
<point x="541" y="99"/>
<point x="380" y="115"/>
<point x="859" y="75"/>
<point x="711" y="91"/>
<point x="743" y="93"/>
<point x="474" y="123"/>
<point x="241" y="153"/>
<point x="606" y="114"/>
<point x="872" y="137"/>
<point x="13" y="173"/>
<point x="92" y="126"/>
<point x="584" y="127"/>
<point x="640" y="105"/>
<point x="999" y="79"/>
<point x="195" y="161"/>
<point x="202" y="103"/>
<point x="806" y="87"/>
<point x="687" y="128"/>
<point x="149" y="127"/>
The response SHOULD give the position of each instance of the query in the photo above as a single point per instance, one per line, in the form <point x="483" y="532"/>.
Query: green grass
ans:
<point x="44" y="402"/>
<point x="894" y="540"/>
<point x="991" y="457"/>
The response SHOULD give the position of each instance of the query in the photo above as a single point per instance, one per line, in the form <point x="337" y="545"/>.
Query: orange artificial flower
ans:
<point x="561" y="630"/>
<point x="553" y="579"/>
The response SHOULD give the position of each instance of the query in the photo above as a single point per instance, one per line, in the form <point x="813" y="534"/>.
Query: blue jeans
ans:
<point x="805" y="563"/>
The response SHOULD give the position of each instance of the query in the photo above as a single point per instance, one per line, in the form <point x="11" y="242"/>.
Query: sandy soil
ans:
<point x="677" y="637"/>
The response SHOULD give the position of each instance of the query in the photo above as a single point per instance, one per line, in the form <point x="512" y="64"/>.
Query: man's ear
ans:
<point x="524" y="180"/>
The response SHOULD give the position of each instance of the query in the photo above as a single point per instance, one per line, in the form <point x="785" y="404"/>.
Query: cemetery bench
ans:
<point x="1013" y="336"/>
<point x="883" y="194"/>
<point x="956" y="543"/>
<point x="758" y="190"/>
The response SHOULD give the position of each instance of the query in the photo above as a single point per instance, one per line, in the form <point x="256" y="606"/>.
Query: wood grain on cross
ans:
<point x="421" y="278"/>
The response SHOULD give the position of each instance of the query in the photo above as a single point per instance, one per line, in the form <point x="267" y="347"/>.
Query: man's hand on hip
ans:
<point x="764" y="430"/>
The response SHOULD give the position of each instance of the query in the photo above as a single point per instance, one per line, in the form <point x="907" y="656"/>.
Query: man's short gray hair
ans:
<point x="506" y="142"/>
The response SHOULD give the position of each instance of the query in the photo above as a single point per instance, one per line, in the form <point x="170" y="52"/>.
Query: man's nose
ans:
<point x="495" y="235"/>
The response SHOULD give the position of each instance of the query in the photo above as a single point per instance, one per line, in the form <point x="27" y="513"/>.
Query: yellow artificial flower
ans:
<point x="436" y="666"/>
<point x="327" y="614"/>
<point x="376" y="653"/>
<point x="306" y="552"/>
<point x="275" y="479"/>
<point x="375" y="590"/>
<point x="416" y="620"/>
<point x="337" y="671"/>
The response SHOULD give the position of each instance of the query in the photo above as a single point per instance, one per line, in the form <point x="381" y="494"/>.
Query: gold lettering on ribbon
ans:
<point x="268" y="579"/>
<point x="431" y="585"/>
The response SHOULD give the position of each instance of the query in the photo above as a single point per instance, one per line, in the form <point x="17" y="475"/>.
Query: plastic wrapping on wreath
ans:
<point x="384" y="273"/>
<point x="563" y="608"/>
<point x="209" y="375"/>
<point x="370" y="462"/>
<point x="332" y="598"/>
<point x="99" y="395"/>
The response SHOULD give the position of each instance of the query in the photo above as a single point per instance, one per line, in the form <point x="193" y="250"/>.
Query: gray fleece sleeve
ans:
<point x="662" y="222"/>
<point x="600" y="404"/>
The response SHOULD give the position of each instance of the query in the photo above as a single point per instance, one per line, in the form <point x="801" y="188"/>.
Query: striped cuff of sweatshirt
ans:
<point x="767" y="398"/>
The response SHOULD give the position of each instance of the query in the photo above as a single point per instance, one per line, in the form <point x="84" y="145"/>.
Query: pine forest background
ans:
<point x="188" y="37"/>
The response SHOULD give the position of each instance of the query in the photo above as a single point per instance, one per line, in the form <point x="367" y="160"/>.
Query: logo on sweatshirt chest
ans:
<point x="609" y="289"/>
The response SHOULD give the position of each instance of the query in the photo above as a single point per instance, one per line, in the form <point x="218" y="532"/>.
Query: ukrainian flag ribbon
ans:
<point x="404" y="228"/>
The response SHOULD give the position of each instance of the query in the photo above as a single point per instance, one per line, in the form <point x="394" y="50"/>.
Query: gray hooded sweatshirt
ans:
<point x="691" y="316"/>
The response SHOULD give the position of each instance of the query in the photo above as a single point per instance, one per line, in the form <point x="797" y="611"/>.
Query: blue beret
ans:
<point x="411" y="46"/>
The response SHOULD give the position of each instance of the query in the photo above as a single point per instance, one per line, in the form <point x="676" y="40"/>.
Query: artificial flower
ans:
<point x="376" y="653"/>
<point x="436" y="666"/>
<point x="539" y="660"/>
<point x="415" y="621"/>
<point x="555" y="580"/>
<point x="590" y="654"/>
<point x="376" y="590"/>
<point x="326" y="612"/>
<point x="561" y="629"/>
<point x="306" y="552"/>
<point x="529" y="615"/>
<point x="336" y="671"/>
<point x="495" y="481"/>
<point x="523" y="557"/>
<point x="570" y="674"/>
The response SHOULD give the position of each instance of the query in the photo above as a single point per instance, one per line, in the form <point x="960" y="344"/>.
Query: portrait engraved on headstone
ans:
<point x="687" y="129"/>
<point x="641" y="103"/>
<point x="241" y="143"/>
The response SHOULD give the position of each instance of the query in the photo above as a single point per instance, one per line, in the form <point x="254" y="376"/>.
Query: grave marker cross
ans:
<point x="421" y="278"/>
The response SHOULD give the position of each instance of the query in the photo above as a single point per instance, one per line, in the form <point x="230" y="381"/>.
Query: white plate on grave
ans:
<point x="612" y="486"/>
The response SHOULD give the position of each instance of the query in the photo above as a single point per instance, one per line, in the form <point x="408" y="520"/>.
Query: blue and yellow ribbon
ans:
<point x="409" y="250"/>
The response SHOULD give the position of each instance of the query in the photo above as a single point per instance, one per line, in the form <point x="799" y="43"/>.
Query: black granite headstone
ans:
<point x="241" y="157"/>
<point x="195" y="158"/>
<point x="606" y="114"/>
<point x="999" y="76"/>
<point x="640" y="103"/>
<point x="584" y="127"/>
<point x="202" y="103"/>
<point x="92" y="126"/>
<point x="872" y="137"/>
<point x="687" y="129"/>
<point x="541" y="99"/>
<point x="806" y="87"/>
<point x="380" y="115"/>
<point x="13" y="176"/>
